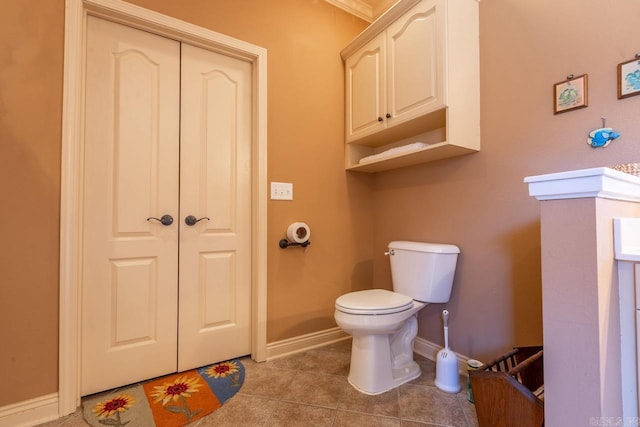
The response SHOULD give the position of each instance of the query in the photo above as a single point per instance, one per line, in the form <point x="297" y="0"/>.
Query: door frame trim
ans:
<point x="76" y="12"/>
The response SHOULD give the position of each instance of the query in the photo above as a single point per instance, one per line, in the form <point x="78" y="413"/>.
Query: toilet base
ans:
<point x="399" y="377"/>
<point x="382" y="362"/>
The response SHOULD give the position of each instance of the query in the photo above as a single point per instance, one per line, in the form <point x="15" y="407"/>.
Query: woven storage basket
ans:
<point x="630" y="168"/>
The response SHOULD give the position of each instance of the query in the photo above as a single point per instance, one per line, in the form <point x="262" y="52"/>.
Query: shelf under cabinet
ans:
<point x="441" y="150"/>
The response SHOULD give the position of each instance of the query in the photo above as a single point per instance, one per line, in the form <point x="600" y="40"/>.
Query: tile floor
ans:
<point x="310" y="389"/>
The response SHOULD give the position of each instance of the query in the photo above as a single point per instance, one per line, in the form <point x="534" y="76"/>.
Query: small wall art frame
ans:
<point x="629" y="78"/>
<point x="570" y="94"/>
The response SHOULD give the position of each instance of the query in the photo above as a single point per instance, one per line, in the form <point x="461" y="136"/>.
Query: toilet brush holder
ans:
<point x="447" y="376"/>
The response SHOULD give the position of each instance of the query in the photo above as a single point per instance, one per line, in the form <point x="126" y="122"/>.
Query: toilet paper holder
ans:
<point x="298" y="234"/>
<point x="284" y="243"/>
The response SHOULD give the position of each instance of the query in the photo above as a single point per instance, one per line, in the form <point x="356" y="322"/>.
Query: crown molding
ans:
<point x="355" y="7"/>
<point x="382" y="22"/>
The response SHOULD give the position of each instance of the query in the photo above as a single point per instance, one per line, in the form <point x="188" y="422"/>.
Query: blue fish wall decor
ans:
<point x="602" y="137"/>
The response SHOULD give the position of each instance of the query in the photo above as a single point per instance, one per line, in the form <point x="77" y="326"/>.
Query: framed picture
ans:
<point x="570" y="94"/>
<point x="629" y="78"/>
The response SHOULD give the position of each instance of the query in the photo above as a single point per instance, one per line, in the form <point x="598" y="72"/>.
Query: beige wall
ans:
<point x="478" y="202"/>
<point x="305" y="146"/>
<point x="31" y="37"/>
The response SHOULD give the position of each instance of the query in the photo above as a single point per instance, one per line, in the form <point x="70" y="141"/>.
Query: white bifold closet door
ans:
<point x="166" y="207"/>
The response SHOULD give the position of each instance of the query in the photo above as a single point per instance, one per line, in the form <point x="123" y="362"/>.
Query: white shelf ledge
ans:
<point x="427" y="154"/>
<point x="596" y="182"/>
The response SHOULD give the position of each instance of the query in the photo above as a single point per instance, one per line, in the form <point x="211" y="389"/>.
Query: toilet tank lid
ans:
<point x="438" y="248"/>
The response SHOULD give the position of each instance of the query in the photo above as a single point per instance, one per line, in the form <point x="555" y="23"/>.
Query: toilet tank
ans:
<point x="423" y="271"/>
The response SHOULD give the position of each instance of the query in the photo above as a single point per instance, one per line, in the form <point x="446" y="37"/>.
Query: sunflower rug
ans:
<point x="170" y="401"/>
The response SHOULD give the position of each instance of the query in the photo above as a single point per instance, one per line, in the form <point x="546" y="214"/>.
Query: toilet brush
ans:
<point x="447" y="377"/>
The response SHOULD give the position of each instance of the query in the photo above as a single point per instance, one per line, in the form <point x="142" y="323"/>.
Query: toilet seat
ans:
<point x="373" y="301"/>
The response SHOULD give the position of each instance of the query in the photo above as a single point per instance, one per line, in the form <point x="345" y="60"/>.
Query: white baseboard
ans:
<point x="306" y="342"/>
<point x="30" y="412"/>
<point x="430" y="350"/>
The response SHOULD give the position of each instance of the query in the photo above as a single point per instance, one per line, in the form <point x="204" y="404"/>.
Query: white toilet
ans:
<point x="384" y="324"/>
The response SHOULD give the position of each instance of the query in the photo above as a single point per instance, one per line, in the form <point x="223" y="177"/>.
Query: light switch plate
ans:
<point x="281" y="191"/>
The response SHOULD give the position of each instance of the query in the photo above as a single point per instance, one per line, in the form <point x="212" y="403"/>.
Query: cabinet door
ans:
<point x="415" y="62"/>
<point x="365" y="73"/>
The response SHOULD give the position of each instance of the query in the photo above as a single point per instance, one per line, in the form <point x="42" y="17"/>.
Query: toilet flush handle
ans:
<point x="390" y="252"/>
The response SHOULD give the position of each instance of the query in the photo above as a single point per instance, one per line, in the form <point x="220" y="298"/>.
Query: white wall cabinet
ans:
<point x="396" y="76"/>
<point x="413" y="76"/>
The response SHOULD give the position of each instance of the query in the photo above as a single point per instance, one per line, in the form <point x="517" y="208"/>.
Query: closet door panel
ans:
<point x="131" y="149"/>
<point x="215" y="252"/>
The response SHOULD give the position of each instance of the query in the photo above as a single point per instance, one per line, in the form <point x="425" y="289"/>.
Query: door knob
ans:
<point x="164" y="220"/>
<point x="191" y="220"/>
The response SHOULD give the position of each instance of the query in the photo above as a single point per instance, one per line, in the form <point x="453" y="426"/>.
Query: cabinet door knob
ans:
<point x="379" y="119"/>
<point x="388" y="116"/>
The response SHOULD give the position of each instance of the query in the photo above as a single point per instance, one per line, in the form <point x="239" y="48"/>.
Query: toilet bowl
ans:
<point x="384" y="323"/>
<point x="382" y="348"/>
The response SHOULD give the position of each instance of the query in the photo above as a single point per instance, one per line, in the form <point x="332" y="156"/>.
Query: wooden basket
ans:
<point x="630" y="168"/>
<point x="509" y="391"/>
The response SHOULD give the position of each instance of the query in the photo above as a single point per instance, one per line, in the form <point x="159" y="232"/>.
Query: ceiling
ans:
<point x="368" y="10"/>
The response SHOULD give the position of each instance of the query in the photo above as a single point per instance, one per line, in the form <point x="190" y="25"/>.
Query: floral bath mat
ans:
<point x="170" y="401"/>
